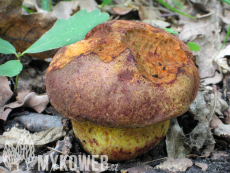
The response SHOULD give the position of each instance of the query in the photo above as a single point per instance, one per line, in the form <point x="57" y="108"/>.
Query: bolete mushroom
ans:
<point x="121" y="85"/>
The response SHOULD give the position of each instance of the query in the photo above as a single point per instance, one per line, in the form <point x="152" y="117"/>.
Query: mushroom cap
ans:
<point x="124" y="74"/>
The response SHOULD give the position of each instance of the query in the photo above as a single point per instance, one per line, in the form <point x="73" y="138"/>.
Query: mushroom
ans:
<point x="121" y="85"/>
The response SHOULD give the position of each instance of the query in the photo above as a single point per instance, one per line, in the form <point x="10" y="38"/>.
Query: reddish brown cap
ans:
<point x="123" y="74"/>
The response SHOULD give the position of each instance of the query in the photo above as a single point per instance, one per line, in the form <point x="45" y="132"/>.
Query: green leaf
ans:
<point x="173" y="9"/>
<point x="11" y="68"/>
<point x="6" y="47"/>
<point x="105" y="2"/>
<point x="69" y="31"/>
<point x="170" y="30"/>
<point x="227" y="1"/>
<point x="193" y="46"/>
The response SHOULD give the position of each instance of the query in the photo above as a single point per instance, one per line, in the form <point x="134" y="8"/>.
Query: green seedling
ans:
<point x="64" y="32"/>
<point x="170" y="30"/>
<point x="193" y="46"/>
<point x="226" y="1"/>
<point x="173" y="9"/>
<point x="28" y="10"/>
<point x="105" y="2"/>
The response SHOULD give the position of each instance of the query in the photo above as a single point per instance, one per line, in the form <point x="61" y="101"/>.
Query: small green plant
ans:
<point x="105" y="2"/>
<point x="64" y="32"/>
<point x="170" y="30"/>
<point x="173" y="9"/>
<point x="193" y="46"/>
<point x="28" y="10"/>
<point x="226" y="1"/>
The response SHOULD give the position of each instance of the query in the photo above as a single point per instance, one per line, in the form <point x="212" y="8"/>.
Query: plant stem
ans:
<point x="173" y="9"/>
<point x="18" y="55"/>
<point x="16" y="85"/>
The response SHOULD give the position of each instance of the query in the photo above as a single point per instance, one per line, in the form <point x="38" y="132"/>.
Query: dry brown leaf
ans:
<point x="205" y="33"/>
<point x="223" y="131"/>
<point x="89" y="5"/>
<point x="174" y="144"/>
<point x="122" y="10"/>
<point x="203" y="166"/>
<point x="216" y="122"/>
<point x="208" y="150"/>
<point x="220" y="129"/>
<point x="221" y="60"/>
<point x="39" y="139"/>
<point x="227" y="118"/>
<point x="148" y="13"/>
<point x="38" y="103"/>
<point x="201" y="135"/>
<point x="23" y="30"/>
<point x="64" y="9"/>
<point x="5" y="91"/>
<point x="4" y="113"/>
<point x="157" y="23"/>
<point x="219" y="154"/>
<point x="175" y="165"/>
<point x="10" y="12"/>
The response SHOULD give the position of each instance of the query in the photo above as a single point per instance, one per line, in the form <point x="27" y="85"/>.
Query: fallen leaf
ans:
<point x="216" y="122"/>
<point x="221" y="59"/>
<point x="4" y="113"/>
<point x="23" y="30"/>
<point x="203" y="166"/>
<point x="223" y="130"/>
<point x="201" y="135"/>
<point x="205" y="33"/>
<point x="5" y="92"/>
<point x="219" y="154"/>
<point x="148" y="13"/>
<point x="64" y="9"/>
<point x="208" y="150"/>
<point x="122" y="10"/>
<point x="38" y="122"/>
<point x="227" y="118"/>
<point x="157" y="23"/>
<point x="174" y="143"/>
<point x="38" y="103"/>
<point x="175" y="165"/>
<point x="39" y="139"/>
<point x="89" y="5"/>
